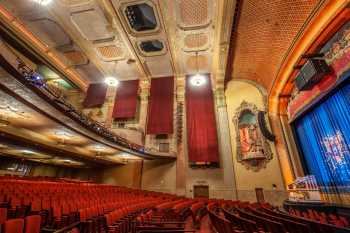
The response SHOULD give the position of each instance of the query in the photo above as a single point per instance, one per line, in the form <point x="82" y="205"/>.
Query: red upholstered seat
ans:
<point x="3" y="215"/>
<point x="32" y="224"/>
<point x="14" y="226"/>
<point x="75" y="230"/>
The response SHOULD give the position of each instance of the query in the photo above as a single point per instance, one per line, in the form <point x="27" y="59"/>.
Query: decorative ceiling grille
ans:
<point x="110" y="52"/>
<point x="196" y="40"/>
<point x="193" y="12"/>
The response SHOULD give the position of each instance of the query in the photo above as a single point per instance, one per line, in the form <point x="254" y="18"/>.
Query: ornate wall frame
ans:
<point x="259" y="160"/>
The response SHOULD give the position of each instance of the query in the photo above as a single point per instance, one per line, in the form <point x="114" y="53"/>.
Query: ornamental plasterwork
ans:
<point x="253" y="149"/>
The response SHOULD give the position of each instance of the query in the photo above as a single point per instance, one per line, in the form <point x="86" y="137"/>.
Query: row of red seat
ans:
<point x="60" y="203"/>
<point x="29" y="224"/>
<point x="236" y="216"/>
<point x="321" y="217"/>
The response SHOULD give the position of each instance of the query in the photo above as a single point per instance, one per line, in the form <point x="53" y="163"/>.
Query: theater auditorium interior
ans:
<point x="174" y="116"/>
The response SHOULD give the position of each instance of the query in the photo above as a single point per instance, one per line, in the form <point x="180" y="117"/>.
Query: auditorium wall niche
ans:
<point x="161" y="106"/>
<point x="125" y="104"/>
<point x="202" y="138"/>
<point x="95" y="95"/>
<point x="323" y="135"/>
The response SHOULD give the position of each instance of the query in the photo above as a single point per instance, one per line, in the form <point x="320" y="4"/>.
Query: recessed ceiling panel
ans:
<point x="90" y="72"/>
<point x="48" y="31"/>
<point x="76" y="58"/>
<point x="159" y="67"/>
<point x="92" y="24"/>
<point x="199" y="62"/>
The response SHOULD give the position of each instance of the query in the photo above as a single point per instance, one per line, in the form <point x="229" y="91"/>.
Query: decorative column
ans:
<point x="224" y="138"/>
<point x="181" y="167"/>
<point x="144" y="94"/>
<point x="110" y="101"/>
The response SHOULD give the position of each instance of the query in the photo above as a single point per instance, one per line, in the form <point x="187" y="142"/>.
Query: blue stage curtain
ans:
<point x="324" y="138"/>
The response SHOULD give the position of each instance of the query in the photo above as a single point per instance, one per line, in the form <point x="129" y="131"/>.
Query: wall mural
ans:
<point x="253" y="150"/>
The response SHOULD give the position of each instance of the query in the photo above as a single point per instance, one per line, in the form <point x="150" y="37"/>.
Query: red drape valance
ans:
<point x="126" y="99"/>
<point x="95" y="95"/>
<point x="201" y="124"/>
<point x="160" y="106"/>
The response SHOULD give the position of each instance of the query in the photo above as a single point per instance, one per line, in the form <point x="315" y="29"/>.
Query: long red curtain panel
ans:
<point x="202" y="137"/>
<point x="125" y="104"/>
<point x="95" y="95"/>
<point x="160" y="106"/>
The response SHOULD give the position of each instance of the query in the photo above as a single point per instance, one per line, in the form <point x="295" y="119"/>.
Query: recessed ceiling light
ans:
<point x="43" y="2"/>
<point x="198" y="80"/>
<point x="111" y="81"/>
<point x="28" y="152"/>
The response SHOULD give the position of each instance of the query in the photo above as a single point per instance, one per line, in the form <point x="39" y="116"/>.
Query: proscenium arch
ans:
<point x="307" y="39"/>
<point x="319" y="29"/>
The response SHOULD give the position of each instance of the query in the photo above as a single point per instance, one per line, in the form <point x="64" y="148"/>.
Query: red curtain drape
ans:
<point x="201" y="124"/>
<point x="160" y="106"/>
<point x="126" y="99"/>
<point x="95" y="95"/>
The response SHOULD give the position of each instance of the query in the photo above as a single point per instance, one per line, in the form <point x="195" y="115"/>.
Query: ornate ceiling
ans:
<point x="95" y="38"/>
<point x="265" y="32"/>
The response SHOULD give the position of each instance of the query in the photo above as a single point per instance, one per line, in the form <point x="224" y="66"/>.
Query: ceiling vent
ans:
<point x="141" y="17"/>
<point x="151" y="46"/>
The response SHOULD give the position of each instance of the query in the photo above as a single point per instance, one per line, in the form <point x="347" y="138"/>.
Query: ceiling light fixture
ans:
<point x="43" y="2"/>
<point x="111" y="81"/>
<point x="197" y="79"/>
<point x="28" y="152"/>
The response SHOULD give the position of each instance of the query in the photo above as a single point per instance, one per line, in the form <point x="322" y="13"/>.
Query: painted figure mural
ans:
<point x="253" y="150"/>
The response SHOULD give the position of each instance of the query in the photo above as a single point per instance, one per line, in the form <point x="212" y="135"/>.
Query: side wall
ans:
<point x="247" y="180"/>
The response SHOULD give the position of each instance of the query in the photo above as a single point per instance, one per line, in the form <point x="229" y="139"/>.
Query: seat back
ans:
<point x="33" y="224"/>
<point x="3" y="215"/>
<point x="14" y="225"/>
